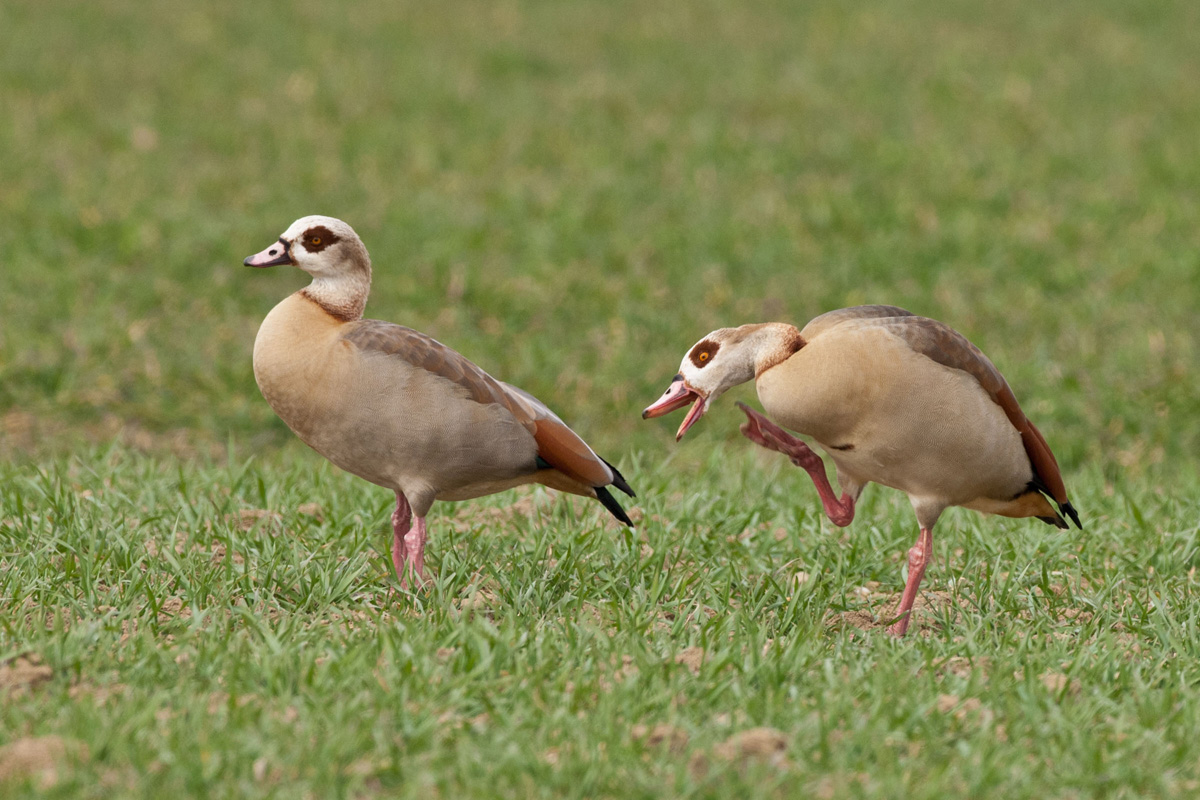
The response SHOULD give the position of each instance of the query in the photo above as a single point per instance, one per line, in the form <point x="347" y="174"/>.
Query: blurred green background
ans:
<point x="571" y="194"/>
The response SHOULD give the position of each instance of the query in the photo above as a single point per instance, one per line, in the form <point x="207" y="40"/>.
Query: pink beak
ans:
<point x="678" y="395"/>
<point x="273" y="256"/>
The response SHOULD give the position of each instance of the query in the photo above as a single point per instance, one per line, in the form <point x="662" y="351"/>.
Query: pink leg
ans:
<point x="762" y="431"/>
<point x="918" y="557"/>
<point x="401" y="520"/>
<point x="414" y="546"/>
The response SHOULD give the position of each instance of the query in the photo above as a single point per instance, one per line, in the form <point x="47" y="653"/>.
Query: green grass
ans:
<point x="194" y="655"/>
<point x="571" y="195"/>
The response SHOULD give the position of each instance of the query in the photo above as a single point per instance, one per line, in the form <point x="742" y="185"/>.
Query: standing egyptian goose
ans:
<point x="893" y="398"/>
<point x="398" y="408"/>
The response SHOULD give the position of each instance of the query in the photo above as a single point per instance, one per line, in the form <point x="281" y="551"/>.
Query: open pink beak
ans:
<point x="273" y="256"/>
<point x="678" y="395"/>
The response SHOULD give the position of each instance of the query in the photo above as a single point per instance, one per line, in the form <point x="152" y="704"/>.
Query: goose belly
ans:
<point x="952" y="442"/>
<point x="902" y="421"/>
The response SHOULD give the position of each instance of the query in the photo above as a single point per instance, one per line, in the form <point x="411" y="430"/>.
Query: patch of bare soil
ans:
<point x="970" y="711"/>
<point x="218" y="701"/>
<point x="247" y="518"/>
<point x="471" y="515"/>
<point x="692" y="658"/>
<point x="18" y="431"/>
<point x="23" y="674"/>
<point x="173" y="608"/>
<point x="40" y="757"/>
<point x="1059" y="683"/>
<point x="481" y="598"/>
<point x="452" y="720"/>
<point x="672" y="738"/>
<point x="862" y="620"/>
<point x="311" y="510"/>
<point x="962" y="667"/>
<point x="745" y="748"/>
<point x="925" y="613"/>
<point x="621" y="672"/>
<point x="99" y="694"/>
<point x="947" y="703"/>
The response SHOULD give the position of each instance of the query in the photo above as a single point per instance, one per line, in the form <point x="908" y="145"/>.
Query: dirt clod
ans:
<point x="752" y="746"/>
<point x="766" y="744"/>
<point x="662" y="735"/>
<point x="311" y="510"/>
<point x="247" y="518"/>
<point x="1058" y="682"/>
<point x="692" y="658"/>
<point x="39" y="757"/>
<point x="23" y="674"/>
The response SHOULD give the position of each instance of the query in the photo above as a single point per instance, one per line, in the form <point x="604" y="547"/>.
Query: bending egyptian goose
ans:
<point x="893" y="398"/>
<point x="398" y="408"/>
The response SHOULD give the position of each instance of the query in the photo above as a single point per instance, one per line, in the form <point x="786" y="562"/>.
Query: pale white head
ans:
<point x="330" y="251"/>
<point x="720" y="361"/>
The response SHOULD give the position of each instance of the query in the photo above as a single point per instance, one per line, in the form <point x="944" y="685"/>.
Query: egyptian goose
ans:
<point x="893" y="398"/>
<point x="398" y="408"/>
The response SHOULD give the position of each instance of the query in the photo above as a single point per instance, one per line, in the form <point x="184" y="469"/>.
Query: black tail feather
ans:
<point x="608" y="501"/>
<point x="1070" y="511"/>
<point x="1065" y="509"/>
<point x="619" y="480"/>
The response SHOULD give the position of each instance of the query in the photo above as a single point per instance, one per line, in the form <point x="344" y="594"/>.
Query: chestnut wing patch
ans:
<point x="557" y="444"/>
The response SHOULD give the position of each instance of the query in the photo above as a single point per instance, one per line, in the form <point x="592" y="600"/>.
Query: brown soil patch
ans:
<point x="692" y="658"/>
<point x="863" y="620"/>
<point x="22" y="674"/>
<point x="481" y="598"/>
<point x="39" y="757"/>
<point x="926" y="609"/>
<point x="173" y="608"/>
<point x="753" y="746"/>
<point x="18" y="431"/>
<point x="311" y="510"/>
<point x="219" y="552"/>
<point x="1059" y="683"/>
<point x="218" y="701"/>
<point x="247" y="518"/>
<point x="962" y="667"/>
<point x="99" y="694"/>
<point x="525" y="506"/>
<point x="672" y="738"/>
<point x="947" y="703"/>
<point x="757" y="743"/>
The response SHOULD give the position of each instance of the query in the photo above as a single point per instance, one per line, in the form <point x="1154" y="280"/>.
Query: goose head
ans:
<point x="330" y="251"/>
<point x="321" y="246"/>
<point x="720" y="361"/>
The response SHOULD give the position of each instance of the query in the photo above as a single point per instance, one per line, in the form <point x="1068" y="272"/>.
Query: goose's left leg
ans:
<point x="918" y="557"/>
<point x="762" y="431"/>
<point x="408" y="543"/>
<point x="414" y="545"/>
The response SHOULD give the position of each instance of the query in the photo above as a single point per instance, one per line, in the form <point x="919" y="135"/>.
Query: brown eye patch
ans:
<point x="317" y="238"/>
<point x="703" y="353"/>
